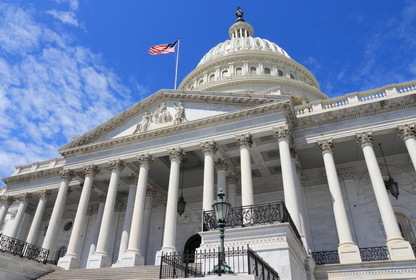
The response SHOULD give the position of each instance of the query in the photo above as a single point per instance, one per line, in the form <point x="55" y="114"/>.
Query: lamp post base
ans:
<point x="221" y="269"/>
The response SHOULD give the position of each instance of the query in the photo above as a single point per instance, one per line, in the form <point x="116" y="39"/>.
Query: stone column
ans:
<point x="133" y="256"/>
<point x="99" y="210"/>
<point x="144" y="243"/>
<point x="247" y="196"/>
<point x="71" y="259"/>
<point x="6" y="202"/>
<point x="222" y="165"/>
<point x="288" y="169"/>
<point x="169" y="237"/>
<point x="124" y="242"/>
<point x="408" y="133"/>
<point x="100" y="258"/>
<point x="58" y="210"/>
<point x="399" y="249"/>
<point x="37" y="219"/>
<point x="232" y="181"/>
<point x="347" y="250"/>
<point x="209" y="149"/>
<point x="24" y="199"/>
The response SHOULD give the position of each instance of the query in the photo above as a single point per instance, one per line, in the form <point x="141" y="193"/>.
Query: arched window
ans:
<point x="291" y="76"/>
<point x="201" y="82"/>
<point x="238" y="71"/>
<point x="60" y="252"/>
<point x="253" y="70"/>
<point x="405" y="227"/>
<point x="225" y="74"/>
<point x="211" y="77"/>
<point x="280" y="73"/>
<point x="267" y="71"/>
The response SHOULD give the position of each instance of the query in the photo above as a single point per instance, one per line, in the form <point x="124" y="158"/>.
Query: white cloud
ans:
<point x="65" y="17"/>
<point x="51" y="88"/>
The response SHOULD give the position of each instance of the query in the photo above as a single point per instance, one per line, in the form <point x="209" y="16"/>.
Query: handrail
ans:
<point x="23" y="249"/>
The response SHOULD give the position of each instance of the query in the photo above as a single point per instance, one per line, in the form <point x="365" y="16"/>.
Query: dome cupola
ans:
<point x="250" y="64"/>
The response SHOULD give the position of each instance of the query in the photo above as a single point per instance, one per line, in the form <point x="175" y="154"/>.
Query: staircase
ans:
<point x="147" y="272"/>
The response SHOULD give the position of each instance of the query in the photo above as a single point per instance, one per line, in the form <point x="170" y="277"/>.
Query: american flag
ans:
<point x="164" y="48"/>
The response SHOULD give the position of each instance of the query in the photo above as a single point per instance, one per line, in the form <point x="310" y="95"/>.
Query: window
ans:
<point x="280" y="73"/>
<point x="225" y="73"/>
<point x="291" y="76"/>
<point x="238" y="71"/>
<point x="253" y="70"/>
<point x="267" y="71"/>
<point x="211" y="77"/>
<point x="68" y="226"/>
<point x="201" y="82"/>
<point x="405" y="227"/>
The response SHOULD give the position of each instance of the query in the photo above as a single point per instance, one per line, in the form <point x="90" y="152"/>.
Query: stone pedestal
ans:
<point x="98" y="261"/>
<point x="69" y="262"/>
<point x="130" y="259"/>
<point x="349" y="253"/>
<point x="400" y="250"/>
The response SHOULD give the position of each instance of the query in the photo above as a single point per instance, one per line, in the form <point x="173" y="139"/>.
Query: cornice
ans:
<point x="351" y="113"/>
<point x="33" y="175"/>
<point x="262" y="110"/>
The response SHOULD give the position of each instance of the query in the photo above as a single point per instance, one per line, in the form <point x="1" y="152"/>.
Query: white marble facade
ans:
<point x="111" y="199"/>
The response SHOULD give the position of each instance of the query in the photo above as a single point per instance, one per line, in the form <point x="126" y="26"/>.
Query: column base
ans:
<point x="349" y="253"/>
<point x="400" y="250"/>
<point x="98" y="261"/>
<point x="69" y="262"/>
<point x="158" y="258"/>
<point x="130" y="259"/>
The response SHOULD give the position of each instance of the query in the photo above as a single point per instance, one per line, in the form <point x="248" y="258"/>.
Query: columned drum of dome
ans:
<point x="248" y="64"/>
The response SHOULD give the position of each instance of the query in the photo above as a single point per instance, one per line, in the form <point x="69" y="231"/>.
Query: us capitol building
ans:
<point x="252" y="121"/>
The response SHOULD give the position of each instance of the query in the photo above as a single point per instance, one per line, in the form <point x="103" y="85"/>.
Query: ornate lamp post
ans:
<point x="391" y="185"/>
<point x="221" y="208"/>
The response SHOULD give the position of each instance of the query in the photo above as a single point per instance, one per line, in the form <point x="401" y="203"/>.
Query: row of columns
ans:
<point x="399" y="249"/>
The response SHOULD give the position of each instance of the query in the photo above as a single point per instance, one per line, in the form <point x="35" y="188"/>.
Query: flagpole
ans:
<point x="177" y="62"/>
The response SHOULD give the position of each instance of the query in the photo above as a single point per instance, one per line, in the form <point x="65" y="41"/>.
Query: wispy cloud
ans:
<point x="51" y="88"/>
<point x="65" y="17"/>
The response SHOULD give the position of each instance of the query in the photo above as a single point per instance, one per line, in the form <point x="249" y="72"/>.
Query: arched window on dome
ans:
<point x="201" y="82"/>
<point x="292" y="76"/>
<point x="225" y="74"/>
<point x="405" y="227"/>
<point x="253" y="70"/>
<point x="238" y="71"/>
<point x="267" y="71"/>
<point x="280" y="73"/>
<point x="211" y="77"/>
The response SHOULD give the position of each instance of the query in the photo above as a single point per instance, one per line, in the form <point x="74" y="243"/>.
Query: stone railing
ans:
<point x="355" y="99"/>
<point x="37" y="166"/>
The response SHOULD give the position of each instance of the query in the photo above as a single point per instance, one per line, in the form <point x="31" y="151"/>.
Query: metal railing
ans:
<point x="23" y="249"/>
<point x="367" y="255"/>
<point x="253" y="215"/>
<point x="201" y="263"/>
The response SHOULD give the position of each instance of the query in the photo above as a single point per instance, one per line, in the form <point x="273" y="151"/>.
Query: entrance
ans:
<point x="191" y="245"/>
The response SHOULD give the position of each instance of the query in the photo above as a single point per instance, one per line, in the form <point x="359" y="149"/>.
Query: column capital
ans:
<point x="7" y="200"/>
<point x="209" y="147"/>
<point x="67" y="174"/>
<point x="245" y="140"/>
<point x="364" y="139"/>
<point x="221" y="164"/>
<point x="162" y="201"/>
<point x="118" y="206"/>
<point x="406" y="131"/>
<point x="117" y="165"/>
<point x="24" y="197"/>
<point x="282" y="133"/>
<point x="293" y="153"/>
<point x="232" y="178"/>
<point x="29" y="209"/>
<point x="298" y="167"/>
<point x="132" y="178"/>
<point x="90" y="170"/>
<point x="325" y="145"/>
<point x="145" y="160"/>
<point x="150" y="190"/>
<point x="92" y="209"/>
<point x="44" y="194"/>
<point x="176" y="154"/>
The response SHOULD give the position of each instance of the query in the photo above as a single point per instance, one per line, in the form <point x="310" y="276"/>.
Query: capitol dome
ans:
<point x="250" y="64"/>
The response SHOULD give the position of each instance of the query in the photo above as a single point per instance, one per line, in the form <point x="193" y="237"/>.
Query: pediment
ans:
<point x="168" y="109"/>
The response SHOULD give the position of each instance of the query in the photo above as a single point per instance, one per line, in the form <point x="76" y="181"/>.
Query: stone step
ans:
<point x="149" y="272"/>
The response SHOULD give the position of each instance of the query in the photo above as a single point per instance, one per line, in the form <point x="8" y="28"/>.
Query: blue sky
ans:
<point x="68" y="65"/>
